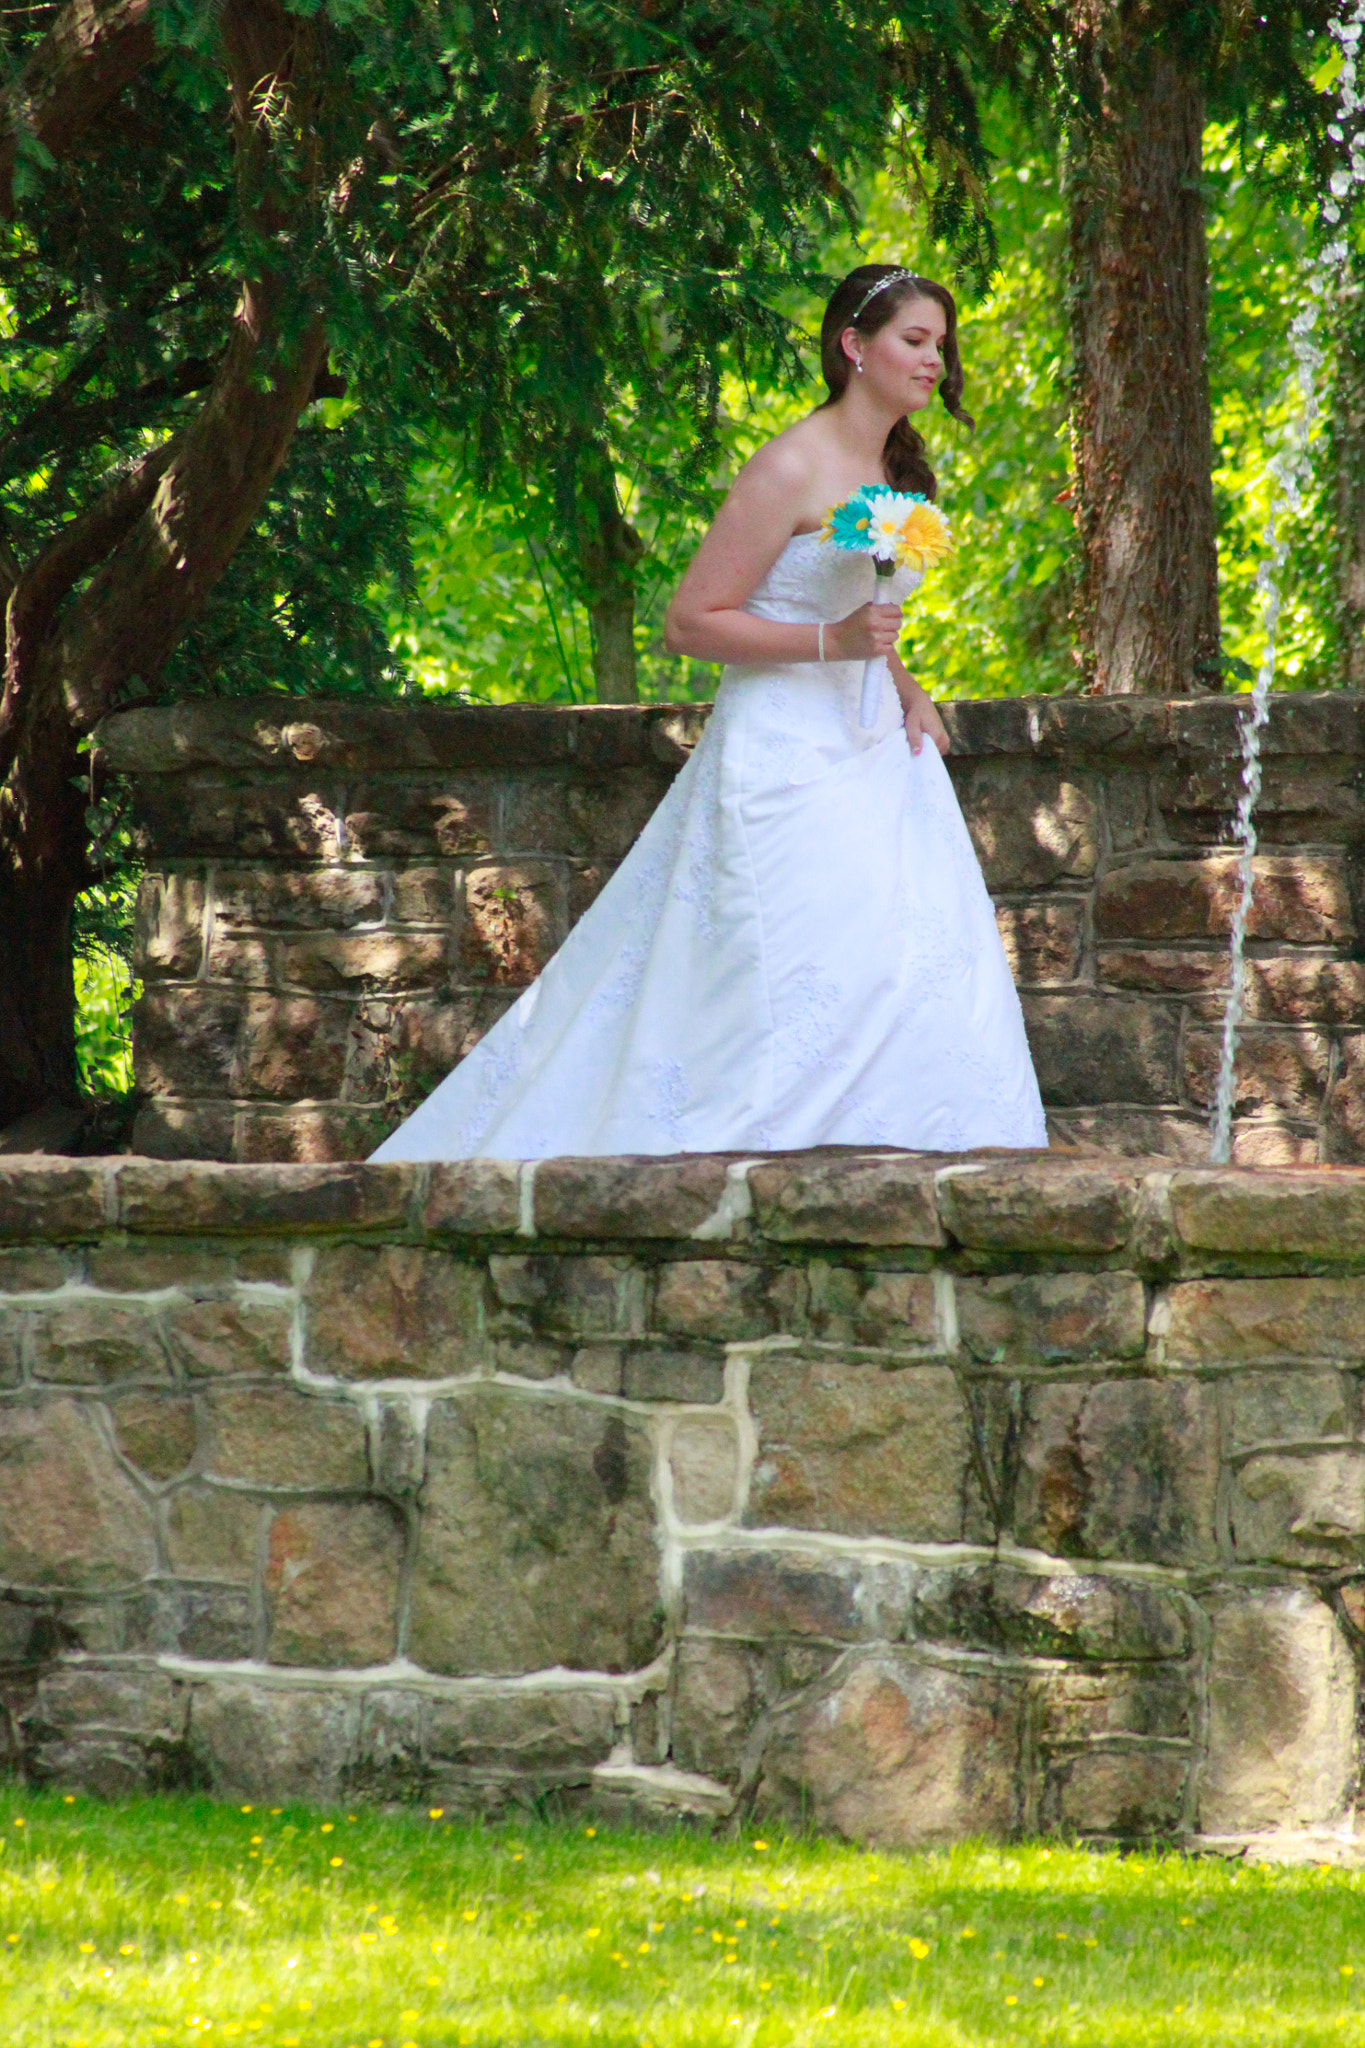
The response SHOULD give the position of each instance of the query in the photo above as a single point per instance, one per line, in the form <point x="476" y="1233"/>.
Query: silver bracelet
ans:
<point x="820" y="641"/>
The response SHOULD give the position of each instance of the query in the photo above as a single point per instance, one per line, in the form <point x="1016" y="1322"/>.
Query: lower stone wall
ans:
<point x="911" y="1499"/>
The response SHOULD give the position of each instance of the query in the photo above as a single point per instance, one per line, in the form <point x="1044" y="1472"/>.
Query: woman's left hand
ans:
<point x="922" y="721"/>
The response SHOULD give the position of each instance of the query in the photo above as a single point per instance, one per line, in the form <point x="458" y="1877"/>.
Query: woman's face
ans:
<point x="903" y="361"/>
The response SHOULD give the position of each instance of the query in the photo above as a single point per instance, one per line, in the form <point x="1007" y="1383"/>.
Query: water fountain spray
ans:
<point x="1290" y="470"/>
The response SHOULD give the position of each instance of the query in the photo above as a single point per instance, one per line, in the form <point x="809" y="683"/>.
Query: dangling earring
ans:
<point x="858" y="365"/>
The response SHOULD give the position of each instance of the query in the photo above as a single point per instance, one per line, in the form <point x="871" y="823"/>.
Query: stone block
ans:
<point x="995" y="1607"/>
<point x="168" y="926"/>
<point x="256" y="1741"/>
<point x="424" y="895"/>
<point x="598" y="1368"/>
<point x="644" y="1198"/>
<point x="395" y="1312"/>
<point x="306" y="1134"/>
<point x="1283" y="1070"/>
<point x="365" y="963"/>
<point x="1039" y="1205"/>
<point x="1278" y="989"/>
<point x="92" y="1340"/>
<point x="185" y="1039"/>
<point x="1318" y="1215"/>
<point x="1123" y="1468"/>
<point x="1130" y="1794"/>
<point x="860" y="1451"/>
<point x="672" y="1373"/>
<point x="513" y="920"/>
<point x="36" y="1269"/>
<point x="714" y="1706"/>
<point x="1041" y="1318"/>
<point x="569" y="1297"/>
<point x="68" y="1515"/>
<point x="331" y="1583"/>
<point x="390" y="1761"/>
<point x="274" y="817"/>
<point x="471" y="1197"/>
<point x="534" y="1358"/>
<point x="1147" y="1134"/>
<point x="50" y="1199"/>
<point x="1281" y="1715"/>
<point x="1267" y="1408"/>
<point x="592" y="819"/>
<point x="723" y="1299"/>
<point x="105" y="1766"/>
<point x="155" y="1432"/>
<point x="1094" y="1049"/>
<point x="185" y="1130"/>
<point x="301" y="899"/>
<point x="1305" y="1509"/>
<point x="842" y="1198"/>
<point x="548" y="1499"/>
<point x="134" y="1268"/>
<point x="858" y="1305"/>
<point x="213" y="1621"/>
<point x="758" y="1594"/>
<point x="252" y="961"/>
<point x="211" y="1339"/>
<point x="704" y="1463"/>
<point x="422" y="815"/>
<point x="12" y="1328"/>
<point x="1079" y="1706"/>
<point x="896" y="1754"/>
<point x="291" y="1048"/>
<point x="263" y="1200"/>
<point x="1042" y="941"/>
<point x="400" y="1451"/>
<point x="278" y="1436"/>
<point x="1301" y="899"/>
<point x="1164" y="971"/>
<point x="1344" y="1131"/>
<point x="135" y="1702"/>
<point x="1267" y="1141"/>
<point x="539" y="1734"/>
<point x="1031" y="824"/>
<point x="1288" y="1317"/>
<point x="214" y="1532"/>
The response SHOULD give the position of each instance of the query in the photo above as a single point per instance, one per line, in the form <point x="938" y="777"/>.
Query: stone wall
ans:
<point x="913" y="1499"/>
<point x="337" y="907"/>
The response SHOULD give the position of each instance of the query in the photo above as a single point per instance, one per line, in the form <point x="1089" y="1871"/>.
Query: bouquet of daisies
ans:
<point x="896" y="528"/>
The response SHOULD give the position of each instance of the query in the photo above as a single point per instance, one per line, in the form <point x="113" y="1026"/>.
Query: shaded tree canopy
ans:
<point x="252" y="251"/>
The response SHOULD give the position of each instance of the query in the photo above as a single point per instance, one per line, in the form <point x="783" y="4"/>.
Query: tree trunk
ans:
<point x="1147" y="612"/>
<point x="114" y="591"/>
<point x="1348" y="437"/>
<point x="608" y="550"/>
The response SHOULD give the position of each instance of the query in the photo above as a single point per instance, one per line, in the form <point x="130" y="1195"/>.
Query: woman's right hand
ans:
<point x="873" y="629"/>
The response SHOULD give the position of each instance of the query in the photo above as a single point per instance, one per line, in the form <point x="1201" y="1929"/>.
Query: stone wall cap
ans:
<point x="1297" y="1211"/>
<point x="271" y="734"/>
<point x="279" y="733"/>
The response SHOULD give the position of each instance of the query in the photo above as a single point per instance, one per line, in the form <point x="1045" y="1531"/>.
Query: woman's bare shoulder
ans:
<point x="788" y="462"/>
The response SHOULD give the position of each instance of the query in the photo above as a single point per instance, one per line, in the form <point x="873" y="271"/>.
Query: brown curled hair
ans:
<point x="903" y="456"/>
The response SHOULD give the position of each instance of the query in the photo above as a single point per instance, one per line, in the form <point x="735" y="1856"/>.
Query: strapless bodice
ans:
<point x="812" y="579"/>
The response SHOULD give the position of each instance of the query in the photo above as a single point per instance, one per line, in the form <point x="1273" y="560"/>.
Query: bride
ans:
<point x="799" y="949"/>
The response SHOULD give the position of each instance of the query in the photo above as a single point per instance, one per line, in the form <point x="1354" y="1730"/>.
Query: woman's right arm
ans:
<point x="706" y="618"/>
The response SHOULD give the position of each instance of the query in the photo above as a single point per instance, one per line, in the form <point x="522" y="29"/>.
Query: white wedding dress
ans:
<point x="799" y="949"/>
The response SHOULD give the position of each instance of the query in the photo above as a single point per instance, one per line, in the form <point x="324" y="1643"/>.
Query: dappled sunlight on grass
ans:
<point x="177" y="1920"/>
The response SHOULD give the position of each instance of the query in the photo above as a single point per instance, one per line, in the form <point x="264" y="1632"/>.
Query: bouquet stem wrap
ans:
<point x="875" y="667"/>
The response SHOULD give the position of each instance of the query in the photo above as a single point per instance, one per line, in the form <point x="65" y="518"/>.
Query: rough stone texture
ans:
<point x="550" y="1501"/>
<point x="1281" y="1741"/>
<point x="1125" y="1468"/>
<point x="887" y="1751"/>
<point x="395" y="1313"/>
<point x="1049" y="1517"/>
<point x="704" y="1460"/>
<point x="68" y="1515"/>
<point x="1045" y="1317"/>
<point x="857" y="1449"/>
<point x="331" y="1583"/>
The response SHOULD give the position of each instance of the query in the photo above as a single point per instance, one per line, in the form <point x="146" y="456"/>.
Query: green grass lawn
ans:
<point x="176" y="1920"/>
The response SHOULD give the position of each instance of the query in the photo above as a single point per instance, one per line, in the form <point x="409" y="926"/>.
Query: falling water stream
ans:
<point x="1290" y="470"/>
